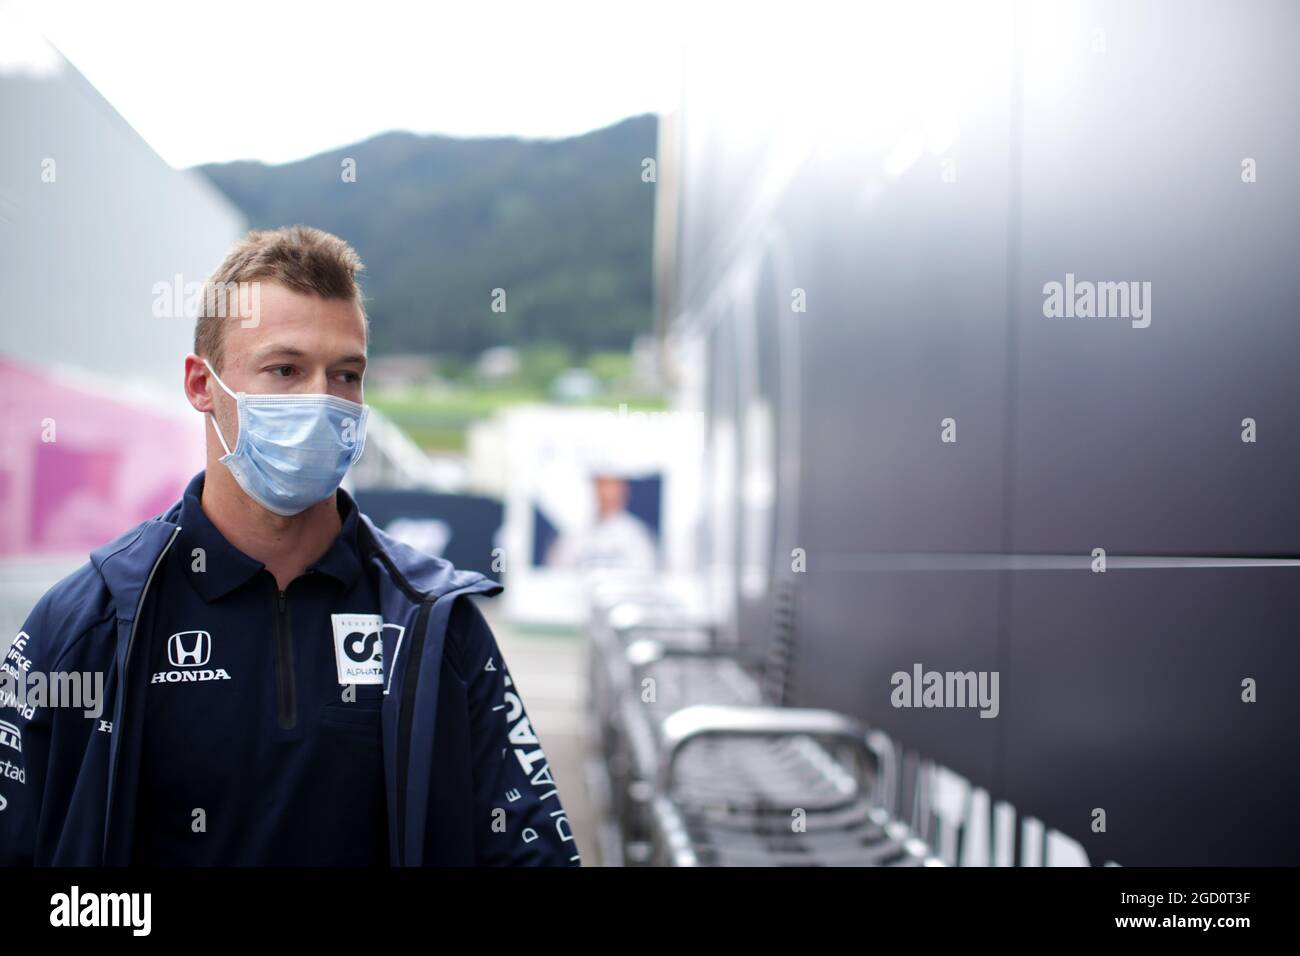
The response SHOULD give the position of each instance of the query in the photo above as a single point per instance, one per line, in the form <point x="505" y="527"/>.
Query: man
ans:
<point x="284" y="683"/>
<point x="617" y="539"/>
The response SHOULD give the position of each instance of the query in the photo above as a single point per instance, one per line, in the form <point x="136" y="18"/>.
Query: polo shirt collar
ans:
<point x="226" y="568"/>
<point x="342" y="561"/>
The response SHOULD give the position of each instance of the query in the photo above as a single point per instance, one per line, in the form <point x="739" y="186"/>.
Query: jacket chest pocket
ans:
<point x="359" y="717"/>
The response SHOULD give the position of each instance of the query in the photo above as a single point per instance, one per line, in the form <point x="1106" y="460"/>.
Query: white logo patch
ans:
<point x="358" y="648"/>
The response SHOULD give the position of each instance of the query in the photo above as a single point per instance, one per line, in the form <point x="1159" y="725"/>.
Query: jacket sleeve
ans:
<point x="44" y="739"/>
<point x="517" y="802"/>
<point x="25" y="731"/>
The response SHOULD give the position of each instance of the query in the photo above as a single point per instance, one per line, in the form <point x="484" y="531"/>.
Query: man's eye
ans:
<point x="284" y="371"/>
<point x="351" y="378"/>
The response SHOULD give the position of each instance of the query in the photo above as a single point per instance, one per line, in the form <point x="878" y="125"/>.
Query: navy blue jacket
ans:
<point x="467" y="782"/>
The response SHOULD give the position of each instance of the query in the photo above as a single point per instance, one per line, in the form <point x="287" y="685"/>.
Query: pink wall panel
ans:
<point x="111" y="463"/>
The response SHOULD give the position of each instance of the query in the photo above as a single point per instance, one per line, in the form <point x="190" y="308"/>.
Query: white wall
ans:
<point x="79" y="256"/>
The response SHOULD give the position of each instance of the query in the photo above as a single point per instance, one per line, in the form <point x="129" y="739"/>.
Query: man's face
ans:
<point x="301" y="344"/>
<point x="611" y="495"/>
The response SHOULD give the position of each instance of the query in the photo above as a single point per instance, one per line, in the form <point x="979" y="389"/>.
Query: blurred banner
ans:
<point x="464" y="529"/>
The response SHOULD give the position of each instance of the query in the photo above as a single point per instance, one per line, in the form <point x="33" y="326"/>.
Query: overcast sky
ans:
<point x="278" y="80"/>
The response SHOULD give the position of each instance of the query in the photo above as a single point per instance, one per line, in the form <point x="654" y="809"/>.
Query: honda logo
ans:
<point x="189" y="648"/>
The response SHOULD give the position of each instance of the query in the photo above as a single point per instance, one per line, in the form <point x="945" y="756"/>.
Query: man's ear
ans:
<point x="199" y="384"/>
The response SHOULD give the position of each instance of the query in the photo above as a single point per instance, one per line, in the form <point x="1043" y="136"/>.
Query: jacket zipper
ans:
<point x="126" y="670"/>
<point x="410" y="682"/>
<point x="288" y="707"/>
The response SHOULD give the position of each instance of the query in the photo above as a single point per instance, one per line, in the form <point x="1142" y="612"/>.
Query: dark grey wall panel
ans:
<point x="1129" y="438"/>
<point x="858" y="627"/>
<point x="1114" y="156"/>
<point x="1123" y="691"/>
<point x="907" y="326"/>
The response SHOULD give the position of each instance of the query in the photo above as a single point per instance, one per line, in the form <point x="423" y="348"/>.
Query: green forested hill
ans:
<point x="564" y="226"/>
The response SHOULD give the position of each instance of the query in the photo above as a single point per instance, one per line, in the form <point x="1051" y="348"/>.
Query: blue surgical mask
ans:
<point x="292" y="450"/>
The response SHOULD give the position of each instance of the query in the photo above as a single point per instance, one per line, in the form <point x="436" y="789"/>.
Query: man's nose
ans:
<point x="317" y="381"/>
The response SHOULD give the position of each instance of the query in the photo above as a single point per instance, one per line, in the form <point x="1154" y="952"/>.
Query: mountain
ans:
<point x="563" y="226"/>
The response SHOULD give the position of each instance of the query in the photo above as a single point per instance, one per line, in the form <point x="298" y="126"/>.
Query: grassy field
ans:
<point x="437" y="420"/>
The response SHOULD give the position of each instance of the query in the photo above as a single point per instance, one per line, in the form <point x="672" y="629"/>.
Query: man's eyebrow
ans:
<point x="289" y="351"/>
<point x="286" y="350"/>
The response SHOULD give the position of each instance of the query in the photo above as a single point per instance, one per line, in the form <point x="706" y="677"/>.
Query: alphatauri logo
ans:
<point x="359" y="648"/>
<point x="189" y="651"/>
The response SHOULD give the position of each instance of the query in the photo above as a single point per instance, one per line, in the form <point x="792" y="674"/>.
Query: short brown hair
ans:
<point x="306" y="260"/>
